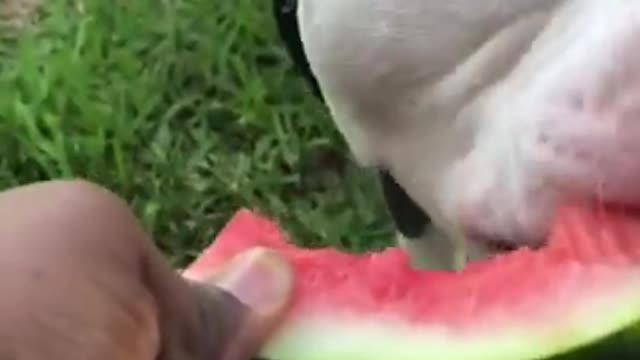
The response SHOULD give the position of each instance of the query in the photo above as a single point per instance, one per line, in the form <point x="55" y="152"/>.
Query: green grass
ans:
<point x="189" y="109"/>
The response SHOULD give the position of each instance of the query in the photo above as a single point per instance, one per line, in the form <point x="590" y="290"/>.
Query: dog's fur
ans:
<point x="486" y="115"/>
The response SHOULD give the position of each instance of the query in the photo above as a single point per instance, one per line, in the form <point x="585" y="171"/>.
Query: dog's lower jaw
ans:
<point x="435" y="250"/>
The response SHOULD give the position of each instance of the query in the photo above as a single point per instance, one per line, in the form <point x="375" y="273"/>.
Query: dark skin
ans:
<point x="82" y="280"/>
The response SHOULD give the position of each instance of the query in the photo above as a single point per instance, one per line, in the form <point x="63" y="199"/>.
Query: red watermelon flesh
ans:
<point x="583" y="286"/>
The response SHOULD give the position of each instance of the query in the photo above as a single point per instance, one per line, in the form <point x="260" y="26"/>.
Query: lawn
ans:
<point x="189" y="109"/>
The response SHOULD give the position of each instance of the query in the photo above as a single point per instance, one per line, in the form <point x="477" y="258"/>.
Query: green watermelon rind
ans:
<point x="332" y="337"/>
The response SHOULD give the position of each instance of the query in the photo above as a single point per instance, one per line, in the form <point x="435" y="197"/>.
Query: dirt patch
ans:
<point x="16" y="14"/>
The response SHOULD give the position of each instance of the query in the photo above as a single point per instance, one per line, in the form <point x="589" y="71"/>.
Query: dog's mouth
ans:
<point x="492" y="245"/>
<point x="498" y="246"/>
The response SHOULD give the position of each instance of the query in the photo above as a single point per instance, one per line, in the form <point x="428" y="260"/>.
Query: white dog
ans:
<point x="483" y="116"/>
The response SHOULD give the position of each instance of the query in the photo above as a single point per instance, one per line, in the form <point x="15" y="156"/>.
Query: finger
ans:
<point x="247" y="299"/>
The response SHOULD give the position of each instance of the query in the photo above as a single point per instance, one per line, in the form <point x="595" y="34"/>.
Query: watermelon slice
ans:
<point x="577" y="298"/>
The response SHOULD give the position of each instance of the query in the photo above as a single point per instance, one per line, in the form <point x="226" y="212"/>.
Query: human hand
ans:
<point x="242" y="303"/>
<point x="81" y="280"/>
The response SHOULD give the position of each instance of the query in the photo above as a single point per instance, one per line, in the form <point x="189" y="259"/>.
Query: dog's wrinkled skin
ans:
<point x="488" y="113"/>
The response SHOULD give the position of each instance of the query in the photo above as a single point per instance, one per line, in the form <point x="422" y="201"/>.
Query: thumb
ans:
<point x="244" y="302"/>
